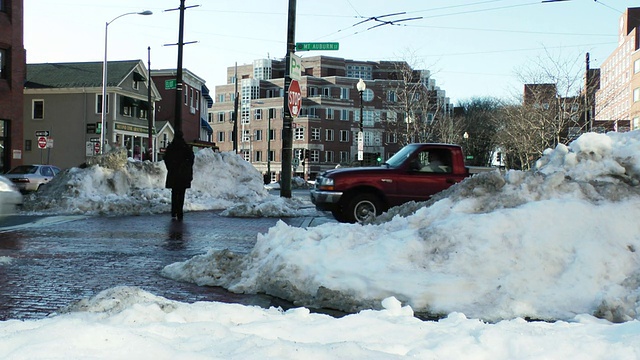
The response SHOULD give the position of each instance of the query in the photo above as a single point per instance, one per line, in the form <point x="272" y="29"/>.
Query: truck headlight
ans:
<point x="324" y="183"/>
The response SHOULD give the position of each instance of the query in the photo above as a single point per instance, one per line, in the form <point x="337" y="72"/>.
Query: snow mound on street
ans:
<point x="550" y="243"/>
<point x="115" y="185"/>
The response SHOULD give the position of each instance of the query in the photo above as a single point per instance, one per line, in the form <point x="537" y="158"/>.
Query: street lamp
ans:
<point x="361" y="86"/>
<point x="465" y="136"/>
<point x="104" y="76"/>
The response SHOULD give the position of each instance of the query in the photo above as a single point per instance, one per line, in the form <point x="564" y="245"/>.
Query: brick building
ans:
<point x="330" y="118"/>
<point x="12" y="73"/>
<point x="618" y="99"/>
<point x="196" y="100"/>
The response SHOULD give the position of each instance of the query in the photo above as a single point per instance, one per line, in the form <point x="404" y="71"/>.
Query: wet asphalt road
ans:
<point x="50" y="262"/>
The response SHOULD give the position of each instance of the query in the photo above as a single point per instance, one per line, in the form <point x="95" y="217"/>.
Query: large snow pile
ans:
<point x="557" y="241"/>
<point x="115" y="185"/>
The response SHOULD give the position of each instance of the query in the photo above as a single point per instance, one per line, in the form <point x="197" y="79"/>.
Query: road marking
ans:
<point x="45" y="221"/>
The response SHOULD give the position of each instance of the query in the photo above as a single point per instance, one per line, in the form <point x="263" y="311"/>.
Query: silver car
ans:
<point x="31" y="177"/>
<point x="10" y="197"/>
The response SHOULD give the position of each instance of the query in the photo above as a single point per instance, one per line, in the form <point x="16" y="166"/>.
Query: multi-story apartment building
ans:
<point x="63" y="104"/>
<point x="618" y="100"/>
<point x="196" y="100"/>
<point x="12" y="69"/>
<point x="324" y="133"/>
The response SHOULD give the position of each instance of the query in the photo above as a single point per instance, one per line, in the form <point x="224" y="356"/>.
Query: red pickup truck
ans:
<point x="416" y="172"/>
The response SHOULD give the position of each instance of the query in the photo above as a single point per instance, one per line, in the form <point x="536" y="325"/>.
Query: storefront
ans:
<point x="133" y="138"/>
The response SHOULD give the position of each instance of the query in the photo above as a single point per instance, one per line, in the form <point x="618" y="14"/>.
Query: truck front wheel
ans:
<point x="363" y="207"/>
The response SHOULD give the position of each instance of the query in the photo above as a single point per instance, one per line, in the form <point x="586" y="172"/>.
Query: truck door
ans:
<point x="427" y="173"/>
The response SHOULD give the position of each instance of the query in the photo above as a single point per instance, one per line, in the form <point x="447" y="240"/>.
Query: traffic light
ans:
<point x="306" y="154"/>
<point x="378" y="158"/>
<point x="98" y="127"/>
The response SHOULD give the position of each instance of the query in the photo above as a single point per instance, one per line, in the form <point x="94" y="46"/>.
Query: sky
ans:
<point x="480" y="48"/>
<point x="558" y="243"/>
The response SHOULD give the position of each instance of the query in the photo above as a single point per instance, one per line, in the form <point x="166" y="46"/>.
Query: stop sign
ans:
<point x="295" y="98"/>
<point x="42" y="142"/>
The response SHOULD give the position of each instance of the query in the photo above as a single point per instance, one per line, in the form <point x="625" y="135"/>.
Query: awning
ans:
<point x="205" y="125"/>
<point x="206" y="96"/>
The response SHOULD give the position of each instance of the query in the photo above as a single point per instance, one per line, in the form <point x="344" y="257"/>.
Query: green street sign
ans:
<point x="308" y="46"/>
<point x="170" y="84"/>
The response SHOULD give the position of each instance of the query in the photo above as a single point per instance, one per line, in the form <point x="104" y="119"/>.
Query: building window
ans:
<point x="272" y="113"/>
<point x="315" y="133"/>
<point x="363" y="72"/>
<point x="392" y="116"/>
<point x="143" y="114"/>
<point x="391" y="96"/>
<point x="258" y="135"/>
<point x="126" y="110"/>
<point x="326" y="92"/>
<point x="4" y="59"/>
<point x="311" y="112"/>
<point x="257" y="114"/>
<point x="298" y="133"/>
<point x="344" y="156"/>
<point x="37" y="107"/>
<point x="272" y="134"/>
<point x="344" y="114"/>
<point x="328" y="156"/>
<point x="136" y="85"/>
<point x="186" y="94"/>
<point x="258" y="157"/>
<point x="344" y="135"/>
<point x="313" y="91"/>
<point x="368" y="117"/>
<point x="220" y="117"/>
<point x="329" y="114"/>
<point x="246" y="136"/>
<point x="99" y="104"/>
<point x="328" y="135"/>
<point x="636" y="66"/>
<point x="392" y="138"/>
<point x="314" y="156"/>
<point x="27" y="145"/>
<point x="220" y="136"/>
<point x="344" y="93"/>
<point x="220" y="97"/>
<point x="636" y="94"/>
<point x="246" y="155"/>
<point x="197" y="100"/>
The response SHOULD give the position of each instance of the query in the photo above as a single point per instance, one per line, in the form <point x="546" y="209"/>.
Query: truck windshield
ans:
<point x="401" y="156"/>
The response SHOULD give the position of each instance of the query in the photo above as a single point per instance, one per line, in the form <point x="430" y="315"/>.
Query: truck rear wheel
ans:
<point x="363" y="207"/>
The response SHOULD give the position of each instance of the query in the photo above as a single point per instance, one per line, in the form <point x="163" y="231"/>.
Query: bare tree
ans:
<point x="478" y="118"/>
<point x="416" y="107"/>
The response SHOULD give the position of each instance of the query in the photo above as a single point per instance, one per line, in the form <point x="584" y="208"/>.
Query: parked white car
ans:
<point x="10" y="197"/>
<point x="31" y="177"/>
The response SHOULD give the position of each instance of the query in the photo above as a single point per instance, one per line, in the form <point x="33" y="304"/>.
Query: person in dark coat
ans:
<point x="178" y="158"/>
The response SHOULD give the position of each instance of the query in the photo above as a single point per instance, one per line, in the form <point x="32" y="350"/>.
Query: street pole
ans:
<point x="287" y="131"/>
<point x="234" y="132"/>
<point x="269" y="147"/>
<point x="178" y="110"/>
<point x="361" y="86"/>
<point x="150" y="147"/>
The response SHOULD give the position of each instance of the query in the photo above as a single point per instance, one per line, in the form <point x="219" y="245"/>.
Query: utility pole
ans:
<point x="287" y="131"/>
<point x="587" y="88"/>
<point x="150" y="148"/>
<point x="178" y="110"/>
<point x="234" y="132"/>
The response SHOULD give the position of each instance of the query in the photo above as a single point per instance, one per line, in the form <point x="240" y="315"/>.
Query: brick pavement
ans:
<point x="45" y="268"/>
